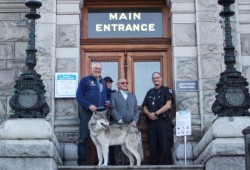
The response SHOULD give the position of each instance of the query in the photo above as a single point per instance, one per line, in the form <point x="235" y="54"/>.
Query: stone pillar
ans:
<point x="209" y="49"/>
<point x="222" y="146"/>
<point x="67" y="60"/>
<point x="185" y="64"/>
<point x="28" y="144"/>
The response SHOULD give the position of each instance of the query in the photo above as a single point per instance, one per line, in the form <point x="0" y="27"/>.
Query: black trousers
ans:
<point x="120" y="157"/>
<point x="83" y="138"/>
<point x="160" y="134"/>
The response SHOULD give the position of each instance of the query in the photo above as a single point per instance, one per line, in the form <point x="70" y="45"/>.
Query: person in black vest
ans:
<point x="109" y="82"/>
<point x="157" y="106"/>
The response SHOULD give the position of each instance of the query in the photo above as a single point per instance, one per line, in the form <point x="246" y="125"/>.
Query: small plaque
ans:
<point x="188" y="85"/>
<point x="66" y="85"/>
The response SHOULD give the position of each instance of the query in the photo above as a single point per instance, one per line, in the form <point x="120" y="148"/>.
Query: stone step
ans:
<point x="143" y="167"/>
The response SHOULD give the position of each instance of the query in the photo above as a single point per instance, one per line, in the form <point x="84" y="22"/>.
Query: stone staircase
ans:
<point x="143" y="167"/>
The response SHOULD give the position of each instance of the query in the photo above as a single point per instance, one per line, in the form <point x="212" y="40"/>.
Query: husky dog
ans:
<point x="104" y="135"/>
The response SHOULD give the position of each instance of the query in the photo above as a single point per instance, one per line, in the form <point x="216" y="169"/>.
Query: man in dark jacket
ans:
<point x="91" y="93"/>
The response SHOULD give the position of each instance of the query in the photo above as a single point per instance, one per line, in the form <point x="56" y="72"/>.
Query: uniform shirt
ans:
<point x="156" y="98"/>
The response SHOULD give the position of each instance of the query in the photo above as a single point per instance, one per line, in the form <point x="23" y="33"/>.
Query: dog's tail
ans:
<point x="140" y="147"/>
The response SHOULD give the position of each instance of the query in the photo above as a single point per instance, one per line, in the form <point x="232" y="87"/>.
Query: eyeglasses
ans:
<point x="154" y="78"/>
<point x="123" y="82"/>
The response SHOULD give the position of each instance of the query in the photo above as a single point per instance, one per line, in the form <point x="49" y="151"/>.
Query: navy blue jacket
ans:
<point x="91" y="92"/>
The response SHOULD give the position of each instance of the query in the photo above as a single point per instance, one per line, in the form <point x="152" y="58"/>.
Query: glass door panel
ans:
<point x="110" y="69"/>
<point x="143" y="81"/>
<point x="136" y="67"/>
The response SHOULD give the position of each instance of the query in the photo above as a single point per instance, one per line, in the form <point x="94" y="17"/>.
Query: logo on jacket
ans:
<point x="92" y="83"/>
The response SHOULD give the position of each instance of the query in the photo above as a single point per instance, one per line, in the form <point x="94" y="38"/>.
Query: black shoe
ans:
<point x="82" y="163"/>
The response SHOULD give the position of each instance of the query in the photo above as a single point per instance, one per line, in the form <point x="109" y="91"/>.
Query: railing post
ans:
<point x="246" y="133"/>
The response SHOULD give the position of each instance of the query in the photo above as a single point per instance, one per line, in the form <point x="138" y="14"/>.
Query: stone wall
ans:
<point x="13" y="42"/>
<point x="209" y="47"/>
<point x="201" y="59"/>
<point x="244" y="36"/>
<point x="198" y="37"/>
<point x="67" y="60"/>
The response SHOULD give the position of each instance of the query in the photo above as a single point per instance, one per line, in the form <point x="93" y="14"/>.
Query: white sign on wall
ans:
<point x="183" y="123"/>
<point x="66" y="85"/>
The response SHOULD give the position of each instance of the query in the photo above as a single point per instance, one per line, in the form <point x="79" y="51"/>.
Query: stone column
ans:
<point x="28" y="144"/>
<point x="67" y="60"/>
<point x="209" y="48"/>
<point x="185" y="66"/>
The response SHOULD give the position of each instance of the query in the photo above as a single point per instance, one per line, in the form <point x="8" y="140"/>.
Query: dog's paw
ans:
<point x="103" y="165"/>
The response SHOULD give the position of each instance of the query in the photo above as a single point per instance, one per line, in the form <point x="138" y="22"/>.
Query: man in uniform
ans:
<point x="157" y="106"/>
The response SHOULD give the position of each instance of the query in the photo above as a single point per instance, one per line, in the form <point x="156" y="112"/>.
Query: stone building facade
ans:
<point x="197" y="45"/>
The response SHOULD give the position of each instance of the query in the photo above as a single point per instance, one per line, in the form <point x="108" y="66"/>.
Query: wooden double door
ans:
<point x="129" y="54"/>
<point x="137" y="67"/>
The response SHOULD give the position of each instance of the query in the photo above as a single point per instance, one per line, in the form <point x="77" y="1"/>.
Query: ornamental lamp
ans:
<point x="28" y="100"/>
<point x="233" y="98"/>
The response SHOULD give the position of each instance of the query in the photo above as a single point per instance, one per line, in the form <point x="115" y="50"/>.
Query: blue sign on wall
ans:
<point x="125" y="23"/>
<point x="186" y="85"/>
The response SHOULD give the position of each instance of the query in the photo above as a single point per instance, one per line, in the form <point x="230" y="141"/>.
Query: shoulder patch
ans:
<point x="170" y="90"/>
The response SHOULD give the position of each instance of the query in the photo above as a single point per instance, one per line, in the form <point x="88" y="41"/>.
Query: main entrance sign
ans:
<point x="125" y="23"/>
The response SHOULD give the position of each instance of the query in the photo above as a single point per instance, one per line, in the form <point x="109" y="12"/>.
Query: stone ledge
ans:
<point x="13" y="7"/>
<point x="28" y="138"/>
<point x="227" y="162"/>
<point x="222" y="147"/>
<point x="142" y="167"/>
<point x="26" y="129"/>
<point x="223" y="127"/>
<point x="29" y="149"/>
<point x="27" y="164"/>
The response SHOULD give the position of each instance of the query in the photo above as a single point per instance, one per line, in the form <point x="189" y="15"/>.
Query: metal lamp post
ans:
<point x="28" y="100"/>
<point x="233" y="98"/>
